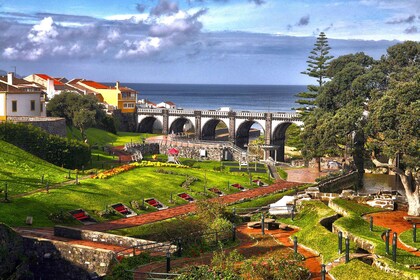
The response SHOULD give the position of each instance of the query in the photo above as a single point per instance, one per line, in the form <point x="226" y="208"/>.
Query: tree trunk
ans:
<point x="318" y="163"/>
<point x="413" y="197"/>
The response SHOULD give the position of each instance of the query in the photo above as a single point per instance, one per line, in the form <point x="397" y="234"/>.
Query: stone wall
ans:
<point x="145" y="149"/>
<point x="126" y="121"/>
<point x="338" y="183"/>
<point x="96" y="236"/>
<point x="61" y="260"/>
<point x="193" y="152"/>
<point x="55" y="126"/>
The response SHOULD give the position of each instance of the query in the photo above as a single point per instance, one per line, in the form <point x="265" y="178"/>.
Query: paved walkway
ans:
<point x="304" y="175"/>
<point x="185" y="209"/>
<point x="251" y="244"/>
<point x="394" y="220"/>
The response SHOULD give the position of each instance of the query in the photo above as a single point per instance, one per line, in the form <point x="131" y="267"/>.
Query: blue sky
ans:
<point x="194" y="41"/>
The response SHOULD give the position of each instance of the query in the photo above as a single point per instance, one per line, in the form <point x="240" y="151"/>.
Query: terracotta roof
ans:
<point x="126" y="89"/>
<point x="94" y="84"/>
<point x="46" y="77"/>
<point x="16" y="81"/>
<point x="4" y="87"/>
<point x="169" y="103"/>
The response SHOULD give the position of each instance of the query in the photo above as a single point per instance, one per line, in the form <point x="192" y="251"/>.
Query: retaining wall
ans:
<point x="338" y="183"/>
<point x="96" y="236"/>
<point x="55" y="126"/>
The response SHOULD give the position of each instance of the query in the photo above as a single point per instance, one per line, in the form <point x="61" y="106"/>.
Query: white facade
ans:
<point x="25" y="105"/>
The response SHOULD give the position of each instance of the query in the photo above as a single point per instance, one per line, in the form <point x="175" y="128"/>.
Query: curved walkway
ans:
<point x="188" y="208"/>
<point x="251" y="244"/>
<point x="394" y="220"/>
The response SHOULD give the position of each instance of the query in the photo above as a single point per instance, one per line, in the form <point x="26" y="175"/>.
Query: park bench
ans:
<point x="216" y="191"/>
<point x="155" y="203"/>
<point x="81" y="216"/>
<point x="238" y="186"/>
<point x="186" y="197"/>
<point x="412" y="219"/>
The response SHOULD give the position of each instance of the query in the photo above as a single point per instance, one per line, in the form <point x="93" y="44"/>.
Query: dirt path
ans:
<point x="251" y="244"/>
<point x="185" y="209"/>
<point x="394" y="220"/>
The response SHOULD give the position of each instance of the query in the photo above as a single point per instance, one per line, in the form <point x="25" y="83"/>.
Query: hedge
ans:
<point x="52" y="148"/>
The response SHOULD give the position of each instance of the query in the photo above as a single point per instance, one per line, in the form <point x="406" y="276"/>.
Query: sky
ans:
<point x="194" y="41"/>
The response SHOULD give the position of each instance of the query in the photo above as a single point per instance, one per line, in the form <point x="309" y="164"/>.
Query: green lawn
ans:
<point x="407" y="238"/>
<point x="94" y="195"/>
<point x="312" y="234"/>
<point x="357" y="270"/>
<point x="99" y="137"/>
<point x="355" y="224"/>
<point x="23" y="171"/>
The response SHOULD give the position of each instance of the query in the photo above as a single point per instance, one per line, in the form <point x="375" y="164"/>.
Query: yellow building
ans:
<point x="122" y="98"/>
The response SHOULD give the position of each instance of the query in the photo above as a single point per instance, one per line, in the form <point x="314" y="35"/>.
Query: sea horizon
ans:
<point x="238" y="97"/>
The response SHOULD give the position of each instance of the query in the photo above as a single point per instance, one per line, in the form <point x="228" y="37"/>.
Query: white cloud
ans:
<point x="44" y="32"/>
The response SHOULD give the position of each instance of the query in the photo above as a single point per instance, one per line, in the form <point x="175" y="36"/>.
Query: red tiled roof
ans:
<point x="94" y="84"/>
<point x="46" y="77"/>
<point x="169" y="103"/>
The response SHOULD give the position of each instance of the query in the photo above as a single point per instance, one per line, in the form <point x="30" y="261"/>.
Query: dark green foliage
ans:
<point x="82" y="111"/>
<point x="11" y="252"/>
<point x="318" y="63"/>
<point x="122" y="270"/>
<point x="52" y="148"/>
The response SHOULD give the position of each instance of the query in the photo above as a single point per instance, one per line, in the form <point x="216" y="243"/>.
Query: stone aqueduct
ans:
<point x="204" y="124"/>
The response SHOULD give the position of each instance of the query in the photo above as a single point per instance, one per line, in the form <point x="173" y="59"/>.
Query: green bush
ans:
<point x="52" y="148"/>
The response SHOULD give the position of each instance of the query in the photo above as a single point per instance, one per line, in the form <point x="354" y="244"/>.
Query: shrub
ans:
<point x="52" y="148"/>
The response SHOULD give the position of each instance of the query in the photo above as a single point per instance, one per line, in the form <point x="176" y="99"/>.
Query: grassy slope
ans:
<point x="95" y="194"/>
<point x="407" y="238"/>
<point x="22" y="171"/>
<point x="358" y="226"/>
<point x="357" y="270"/>
<point x="101" y="137"/>
<point x="312" y="233"/>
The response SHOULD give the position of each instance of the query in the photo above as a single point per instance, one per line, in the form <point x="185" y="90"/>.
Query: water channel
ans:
<point x="373" y="183"/>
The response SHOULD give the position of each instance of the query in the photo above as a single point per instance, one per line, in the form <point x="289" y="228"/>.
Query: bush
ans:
<point x="52" y="148"/>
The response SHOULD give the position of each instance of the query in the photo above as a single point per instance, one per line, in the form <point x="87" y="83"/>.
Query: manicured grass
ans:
<point x="355" y="224"/>
<point x="99" y="137"/>
<point x="357" y="270"/>
<point x="23" y="171"/>
<point x="93" y="195"/>
<point x="407" y="238"/>
<point x="312" y="234"/>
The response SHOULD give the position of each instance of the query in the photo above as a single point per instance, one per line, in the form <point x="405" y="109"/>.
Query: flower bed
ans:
<point x="117" y="170"/>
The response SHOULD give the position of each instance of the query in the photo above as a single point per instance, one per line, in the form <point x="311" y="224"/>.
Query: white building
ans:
<point x="50" y="85"/>
<point x="166" y="105"/>
<point x="20" y="98"/>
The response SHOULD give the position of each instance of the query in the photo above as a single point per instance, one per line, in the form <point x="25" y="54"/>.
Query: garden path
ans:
<point x="394" y="220"/>
<point x="188" y="208"/>
<point x="250" y="245"/>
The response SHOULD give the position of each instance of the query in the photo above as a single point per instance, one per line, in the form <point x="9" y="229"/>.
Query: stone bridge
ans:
<point x="204" y="124"/>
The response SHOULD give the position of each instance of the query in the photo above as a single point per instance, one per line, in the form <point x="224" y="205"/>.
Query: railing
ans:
<point x="149" y="111"/>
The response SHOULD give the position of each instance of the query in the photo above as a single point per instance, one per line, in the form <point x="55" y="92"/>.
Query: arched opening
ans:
<point x="247" y="132"/>
<point x="215" y="130"/>
<point x="278" y="139"/>
<point x="150" y="125"/>
<point x="183" y="127"/>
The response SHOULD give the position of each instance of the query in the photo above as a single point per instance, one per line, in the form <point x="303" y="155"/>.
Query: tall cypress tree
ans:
<point x="318" y="62"/>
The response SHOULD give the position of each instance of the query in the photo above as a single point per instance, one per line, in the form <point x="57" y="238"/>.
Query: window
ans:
<point x="128" y="105"/>
<point x="32" y="105"/>
<point x="41" y="107"/>
<point x="14" y="106"/>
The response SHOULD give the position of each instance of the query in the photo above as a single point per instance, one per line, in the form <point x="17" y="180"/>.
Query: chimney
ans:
<point x="10" y="78"/>
<point x="117" y="85"/>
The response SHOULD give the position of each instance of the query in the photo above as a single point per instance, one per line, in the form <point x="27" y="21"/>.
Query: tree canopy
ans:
<point x="81" y="111"/>
<point x="372" y="105"/>
<point x="318" y="63"/>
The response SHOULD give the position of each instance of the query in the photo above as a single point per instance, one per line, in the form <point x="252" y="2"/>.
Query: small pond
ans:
<point x="373" y="183"/>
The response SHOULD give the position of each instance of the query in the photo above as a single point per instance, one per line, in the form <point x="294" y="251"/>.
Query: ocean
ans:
<point x="263" y="98"/>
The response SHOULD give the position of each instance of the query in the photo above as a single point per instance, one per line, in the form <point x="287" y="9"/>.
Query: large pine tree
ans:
<point x="318" y="62"/>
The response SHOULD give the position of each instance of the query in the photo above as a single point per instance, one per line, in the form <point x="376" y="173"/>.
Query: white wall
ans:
<point x="24" y="104"/>
<point x="2" y="113"/>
